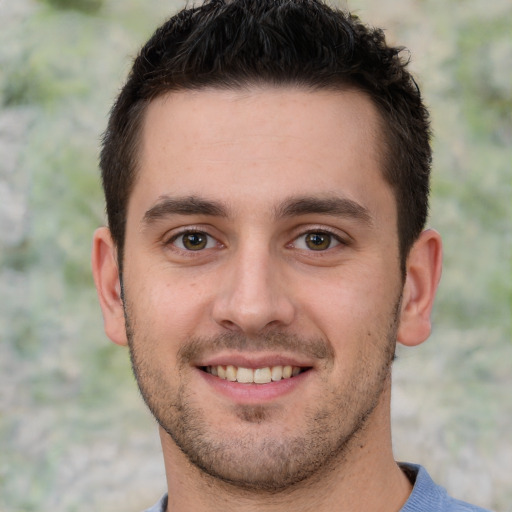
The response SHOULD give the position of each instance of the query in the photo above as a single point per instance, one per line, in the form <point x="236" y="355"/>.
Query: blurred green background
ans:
<point x="74" y="435"/>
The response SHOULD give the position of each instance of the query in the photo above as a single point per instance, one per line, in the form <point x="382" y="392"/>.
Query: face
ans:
<point x="261" y="278"/>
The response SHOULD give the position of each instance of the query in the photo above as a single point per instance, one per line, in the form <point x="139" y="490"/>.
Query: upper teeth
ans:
<point x="250" y="375"/>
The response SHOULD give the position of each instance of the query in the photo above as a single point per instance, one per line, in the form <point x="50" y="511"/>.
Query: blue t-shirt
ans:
<point x="426" y="496"/>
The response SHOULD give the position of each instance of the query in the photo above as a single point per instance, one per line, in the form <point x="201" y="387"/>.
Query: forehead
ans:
<point x="262" y="144"/>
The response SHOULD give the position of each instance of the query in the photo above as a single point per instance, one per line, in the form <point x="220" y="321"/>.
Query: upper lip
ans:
<point x="254" y="360"/>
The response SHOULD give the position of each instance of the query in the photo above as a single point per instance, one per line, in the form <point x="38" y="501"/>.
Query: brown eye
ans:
<point x="318" y="241"/>
<point x="194" y="241"/>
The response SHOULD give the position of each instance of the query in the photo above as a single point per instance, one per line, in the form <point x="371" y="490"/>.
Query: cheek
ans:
<point x="171" y="308"/>
<point x="354" y="311"/>
<point x="349" y="297"/>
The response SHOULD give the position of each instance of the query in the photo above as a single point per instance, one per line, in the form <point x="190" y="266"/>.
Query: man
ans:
<point x="266" y="172"/>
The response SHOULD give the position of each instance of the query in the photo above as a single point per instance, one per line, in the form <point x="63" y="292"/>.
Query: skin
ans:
<point x="266" y="168"/>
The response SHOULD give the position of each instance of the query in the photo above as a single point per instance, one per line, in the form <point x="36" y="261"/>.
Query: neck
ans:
<point x="367" y="478"/>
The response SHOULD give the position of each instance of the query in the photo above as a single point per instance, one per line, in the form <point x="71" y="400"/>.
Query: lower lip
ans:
<point x="254" y="393"/>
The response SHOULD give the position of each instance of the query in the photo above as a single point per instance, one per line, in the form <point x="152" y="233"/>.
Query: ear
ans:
<point x="424" y="265"/>
<point x="108" y="285"/>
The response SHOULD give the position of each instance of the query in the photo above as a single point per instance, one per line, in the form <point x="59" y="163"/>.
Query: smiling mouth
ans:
<point x="254" y="375"/>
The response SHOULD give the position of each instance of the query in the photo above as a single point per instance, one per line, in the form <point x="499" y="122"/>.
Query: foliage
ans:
<point x="88" y="6"/>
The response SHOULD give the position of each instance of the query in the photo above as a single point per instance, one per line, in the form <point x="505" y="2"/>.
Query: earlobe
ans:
<point x="424" y="265"/>
<point x="107" y="281"/>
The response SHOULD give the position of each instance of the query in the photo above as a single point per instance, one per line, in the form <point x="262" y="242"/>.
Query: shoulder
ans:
<point x="428" y="496"/>
<point x="161" y="506"/>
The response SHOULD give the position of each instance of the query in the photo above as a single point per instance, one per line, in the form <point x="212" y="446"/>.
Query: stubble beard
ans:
<point x="246" y="459"/>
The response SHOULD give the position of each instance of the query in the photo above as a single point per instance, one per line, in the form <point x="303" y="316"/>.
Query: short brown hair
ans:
<point x="305" y="43"/>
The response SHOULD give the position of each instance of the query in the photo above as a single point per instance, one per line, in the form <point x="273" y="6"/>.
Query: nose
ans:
<point x="253" y="295"/>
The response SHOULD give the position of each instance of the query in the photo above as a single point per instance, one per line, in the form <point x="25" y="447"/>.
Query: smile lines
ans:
<point x="253" y="376"/>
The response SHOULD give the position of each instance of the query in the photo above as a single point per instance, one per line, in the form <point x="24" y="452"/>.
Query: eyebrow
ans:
<point x="334" y="206"/>
<point x="293" y="207"/>
<point x="191" y="205"/>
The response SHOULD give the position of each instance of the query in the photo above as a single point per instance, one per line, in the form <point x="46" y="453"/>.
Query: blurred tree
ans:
<point x="87" y="6"/>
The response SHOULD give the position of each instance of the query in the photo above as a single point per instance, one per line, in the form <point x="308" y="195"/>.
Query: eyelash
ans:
<point x="334" y="237"/>
<point x="189" y="231"/>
